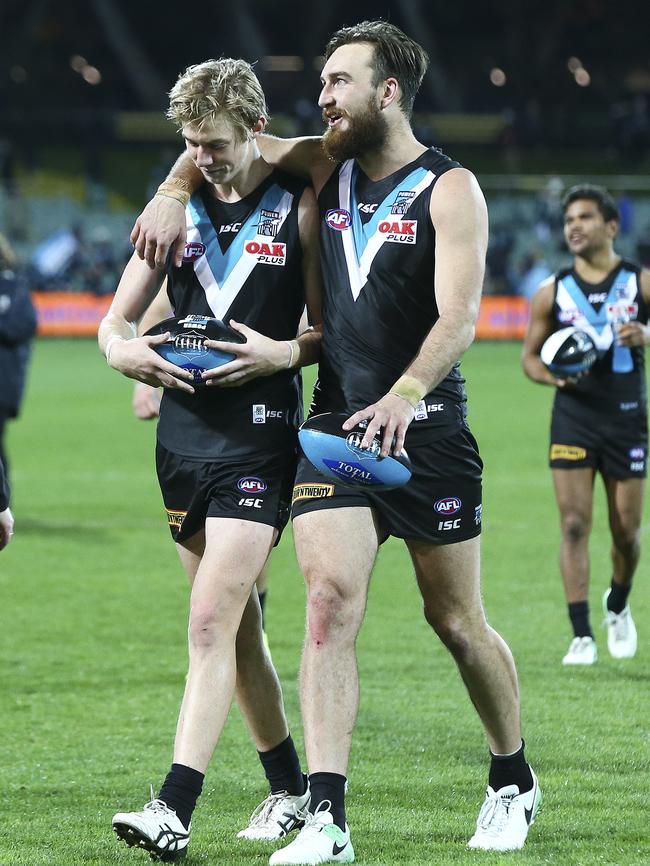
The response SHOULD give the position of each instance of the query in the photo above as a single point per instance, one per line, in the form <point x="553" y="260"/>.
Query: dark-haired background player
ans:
<point x="403" y="237"/>
<point x="599" y="422"/>
<point x="226" y="451"/>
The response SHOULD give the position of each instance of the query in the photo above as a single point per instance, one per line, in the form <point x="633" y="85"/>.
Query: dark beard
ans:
<point x="366" y="132"/>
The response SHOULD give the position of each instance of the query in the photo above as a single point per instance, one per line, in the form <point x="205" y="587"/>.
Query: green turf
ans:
<point x="92" y="652"/>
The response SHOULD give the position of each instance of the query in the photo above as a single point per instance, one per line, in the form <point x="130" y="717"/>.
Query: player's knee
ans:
<point x="205" y="629"/>
<point x="575" y="527"/>
<point x="451" y="630"/>
<point x="329" y="612"/>
<point x="626" y="538"/>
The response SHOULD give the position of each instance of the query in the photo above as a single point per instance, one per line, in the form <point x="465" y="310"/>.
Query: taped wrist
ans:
<point x="294" y="349"/>
<point x="176" y="188"/>
<point x="109" y="346"/>
<point x="410" y="389"/>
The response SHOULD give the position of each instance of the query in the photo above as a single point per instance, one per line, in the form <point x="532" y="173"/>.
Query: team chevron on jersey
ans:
<point x="378" y="293"/>
<point x="594" y="308"/>
<point x="243" y="260"/>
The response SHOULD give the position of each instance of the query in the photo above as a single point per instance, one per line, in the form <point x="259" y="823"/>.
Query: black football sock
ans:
<point x="617" y="598"/>
<point x="510" y="770"/>
<point x="282" y="768"/>
<point x="262" y="598"/>
<point x="329" y="786"/>
<point x="181" y="790"/>
<point x="579" y="616"/>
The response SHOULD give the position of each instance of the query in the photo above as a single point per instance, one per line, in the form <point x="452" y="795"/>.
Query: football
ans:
<point x="337" y="454"/>
<point x="186" y="345"/>
<point x="568" y="352"/>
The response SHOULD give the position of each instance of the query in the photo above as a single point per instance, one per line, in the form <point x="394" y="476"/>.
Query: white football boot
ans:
<point x="319" y="841"/>
<point x="277" y="816"/>
<point x="582" y="651"/>
<point x="157" y="829"/>
<point x="505" y="817"/>
<point x="621" y="631"/>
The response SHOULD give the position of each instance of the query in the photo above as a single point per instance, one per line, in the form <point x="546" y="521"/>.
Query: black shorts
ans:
<point x="615" y="446"/>
<point x="441" y="503"/>
<point x="256" y="489"/>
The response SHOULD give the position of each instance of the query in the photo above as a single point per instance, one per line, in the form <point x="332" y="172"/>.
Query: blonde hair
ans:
<point x="223" y="86"/>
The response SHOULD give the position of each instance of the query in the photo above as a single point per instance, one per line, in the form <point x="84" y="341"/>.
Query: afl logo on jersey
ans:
<point x="338" y="219"/>
<point x="251" y="484"/>
<point x="193" y="251"/>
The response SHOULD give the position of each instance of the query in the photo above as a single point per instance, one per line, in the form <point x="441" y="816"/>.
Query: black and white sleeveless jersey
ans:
<point x="378" y="253"/>
<point x="242" y="260"/>
<point x="594" y="308"/>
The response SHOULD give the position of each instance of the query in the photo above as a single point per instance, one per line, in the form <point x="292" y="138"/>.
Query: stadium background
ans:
<point x="532" y="97"/>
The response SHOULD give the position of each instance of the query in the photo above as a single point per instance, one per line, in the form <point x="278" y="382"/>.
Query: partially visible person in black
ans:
<point x="17" y="329"/>
<point x="6" y="517"/>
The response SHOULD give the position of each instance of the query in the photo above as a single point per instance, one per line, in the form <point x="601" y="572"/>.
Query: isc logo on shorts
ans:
<point x="399" y="231"/>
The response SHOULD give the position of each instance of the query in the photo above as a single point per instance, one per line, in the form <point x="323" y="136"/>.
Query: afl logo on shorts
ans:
<point x="448" y="505"/>
<point x="251" y="484"/>
<point x="338" y="219"/>
<point x="193" y="251"/>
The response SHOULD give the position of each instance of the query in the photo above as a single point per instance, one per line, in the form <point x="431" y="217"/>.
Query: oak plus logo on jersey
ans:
<point x="338" y="219"/>
<point x="252" y="484"/>
<point x="193" y="251"/>
<point x="399" y="231"/>
<point x="267" y="254"/>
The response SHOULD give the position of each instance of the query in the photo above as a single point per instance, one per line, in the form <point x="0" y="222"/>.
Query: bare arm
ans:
<point x="309" y="340"/>
<point x="540" y="326"/>
<point x="146" y="398"/>
<point x="303" y="157"/>
<point x="459" y="216"/>
<point x="636" y="333"/>
<point x="134" y="356"/>
<point x="6" y="517"/>
<point x="161" y="225"/>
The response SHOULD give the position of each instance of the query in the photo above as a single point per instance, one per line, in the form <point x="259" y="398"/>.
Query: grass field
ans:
<point x="92" y="653"/>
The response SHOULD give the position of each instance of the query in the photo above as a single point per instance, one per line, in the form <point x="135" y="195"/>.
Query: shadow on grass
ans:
<point x="34" y="526"/>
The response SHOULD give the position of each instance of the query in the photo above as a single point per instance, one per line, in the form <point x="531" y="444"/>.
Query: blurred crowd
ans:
<point x="65" y="246"/>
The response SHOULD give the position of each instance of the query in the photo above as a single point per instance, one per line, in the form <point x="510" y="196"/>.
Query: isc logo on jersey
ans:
<point x="399" y="231"/>
<point x="267" y="253"/>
